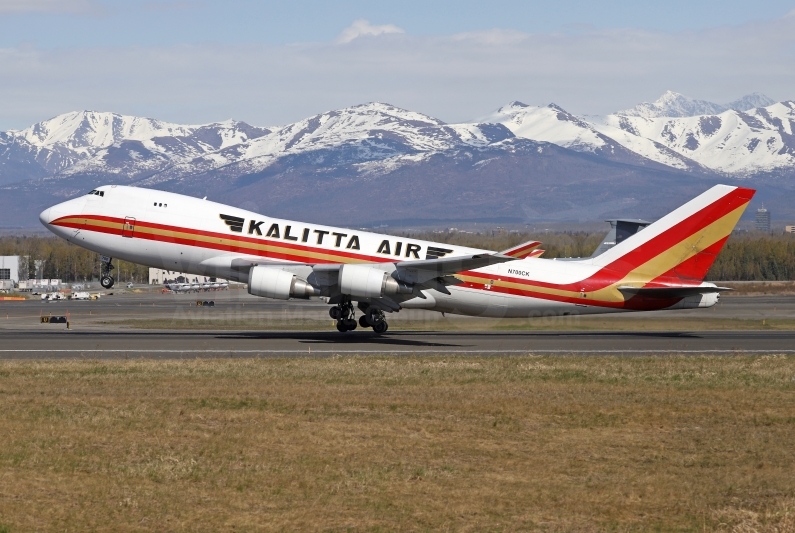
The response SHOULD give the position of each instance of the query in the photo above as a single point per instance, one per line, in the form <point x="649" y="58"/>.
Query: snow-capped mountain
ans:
<point x="83" y="130"/>
<point x="672" y="104"/>
<point x="370" y="135"/>
<point x="74" y="142"/>
<point x="732" y="142"/>
<point x="329" y="158"/>
<point x="750" y="101"/>
<point x="673" y="131"/>
<point x="555" y="125"/>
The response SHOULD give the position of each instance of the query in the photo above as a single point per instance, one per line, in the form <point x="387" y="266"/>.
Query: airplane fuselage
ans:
<point x="182" y="233"/>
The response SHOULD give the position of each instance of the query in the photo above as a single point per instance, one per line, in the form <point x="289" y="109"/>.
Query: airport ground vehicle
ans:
<point x="661" y="266"/>
<point x="83" y="295"/>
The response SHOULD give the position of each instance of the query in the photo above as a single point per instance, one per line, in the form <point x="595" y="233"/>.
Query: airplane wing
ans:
<point x="670" y="292"/>
<point x="422" y="274"/>
<point x="428" y="269"/>
<point x="523" y="250"/>
<point x="417" y="271"/>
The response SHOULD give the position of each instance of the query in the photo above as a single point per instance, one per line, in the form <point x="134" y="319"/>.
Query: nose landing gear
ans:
<point x="106" y="280"/>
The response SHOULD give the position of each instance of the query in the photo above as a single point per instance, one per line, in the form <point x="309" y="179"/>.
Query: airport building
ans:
<point x="762" y="220"/>
<point x="789" y="229"/>
<point x="9" y="271"/>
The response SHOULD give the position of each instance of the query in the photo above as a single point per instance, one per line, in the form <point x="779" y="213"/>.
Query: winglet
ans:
<point x="522" y="251"/>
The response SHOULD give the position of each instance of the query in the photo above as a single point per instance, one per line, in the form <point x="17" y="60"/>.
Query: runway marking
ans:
<point x="738" y="350"/>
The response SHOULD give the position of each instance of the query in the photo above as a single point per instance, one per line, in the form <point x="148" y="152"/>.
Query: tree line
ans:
<point x="746" y="257"/>
<point x="59" y="259"/>
<point x="750" y="257"/>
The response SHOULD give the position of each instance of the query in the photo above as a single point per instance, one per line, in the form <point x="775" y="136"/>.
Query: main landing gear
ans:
<point x="344" y="315"/>
<point x="106" y="280"/>
<point x="372" y="317"/>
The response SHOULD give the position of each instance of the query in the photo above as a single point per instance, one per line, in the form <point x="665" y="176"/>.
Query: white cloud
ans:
<point x="47" y="6"/>
<point x="363" y="27"/>
<point x="453" y="78"/>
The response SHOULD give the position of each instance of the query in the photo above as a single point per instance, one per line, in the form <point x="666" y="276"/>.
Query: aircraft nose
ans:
<point x="45" y="217"/>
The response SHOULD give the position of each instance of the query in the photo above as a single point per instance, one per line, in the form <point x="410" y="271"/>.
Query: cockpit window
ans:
<point x="93" y="192"/>
<point x="98" y="193"/>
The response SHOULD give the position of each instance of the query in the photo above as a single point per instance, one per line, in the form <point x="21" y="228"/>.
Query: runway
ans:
<point x="121" y="325"/>
<point x="167" y="345"/>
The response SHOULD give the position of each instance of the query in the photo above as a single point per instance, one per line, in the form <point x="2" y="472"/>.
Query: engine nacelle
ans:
<point x="273" y="282"/>
<point x="362" y="281"/>
<point x="698" y="301"/>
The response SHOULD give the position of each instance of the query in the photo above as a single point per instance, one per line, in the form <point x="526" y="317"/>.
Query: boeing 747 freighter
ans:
<point x="660" y="267"/>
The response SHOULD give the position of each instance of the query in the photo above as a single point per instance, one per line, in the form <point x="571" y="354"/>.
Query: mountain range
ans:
<point x="377" y="163"/>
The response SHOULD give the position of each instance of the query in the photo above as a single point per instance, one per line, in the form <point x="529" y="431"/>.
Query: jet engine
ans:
<point x="272" y="282"/>
<point x="362" y="281"/>
<point x="697" y="301"/>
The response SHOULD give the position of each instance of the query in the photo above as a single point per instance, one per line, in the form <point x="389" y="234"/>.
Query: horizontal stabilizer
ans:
<point x="522" y="251"/>
<point x="670" y="292"/>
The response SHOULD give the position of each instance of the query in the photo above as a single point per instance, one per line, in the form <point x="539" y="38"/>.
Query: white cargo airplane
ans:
<point x="661" y="267"/>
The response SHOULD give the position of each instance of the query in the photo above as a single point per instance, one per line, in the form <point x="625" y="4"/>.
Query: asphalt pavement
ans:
<point x="100" y="329"/>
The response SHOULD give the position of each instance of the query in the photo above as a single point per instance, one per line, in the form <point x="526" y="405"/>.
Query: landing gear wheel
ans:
<point x="341" y="311"/>
<point x="363" y="322"/>
<point x="374" y="316"/>
<point x="381" y="327"/>
<point x="345" y="316"/>
<point x="346" y="324"/>
<point x="106" y="280"/>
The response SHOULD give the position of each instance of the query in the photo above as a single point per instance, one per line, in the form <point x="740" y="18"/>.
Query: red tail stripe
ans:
<point x="680" y="231"/>
<point x="691" y="271"/>
<point x="647" y="251"/>
<point x="518" y="252"/>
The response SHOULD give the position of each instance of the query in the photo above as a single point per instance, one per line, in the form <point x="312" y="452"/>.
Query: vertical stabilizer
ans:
<point x="680" y="247"/>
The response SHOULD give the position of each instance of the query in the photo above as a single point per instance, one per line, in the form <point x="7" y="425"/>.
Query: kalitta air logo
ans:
<point x="435" y="253"/>
<point x="289" y="233"/>
<point x="234" y="223"/>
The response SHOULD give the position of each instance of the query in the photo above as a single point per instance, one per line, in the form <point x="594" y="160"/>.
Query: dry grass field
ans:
<point x="758" y="287"/>
<point x="399" y="443"/>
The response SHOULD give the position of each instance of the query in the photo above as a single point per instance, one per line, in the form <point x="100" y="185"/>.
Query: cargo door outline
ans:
<point x="128" y="229"/>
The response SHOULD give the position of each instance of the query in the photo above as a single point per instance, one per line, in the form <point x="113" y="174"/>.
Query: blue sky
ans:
<point x="69" y="23"/>
<point x="274" y="62"/>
